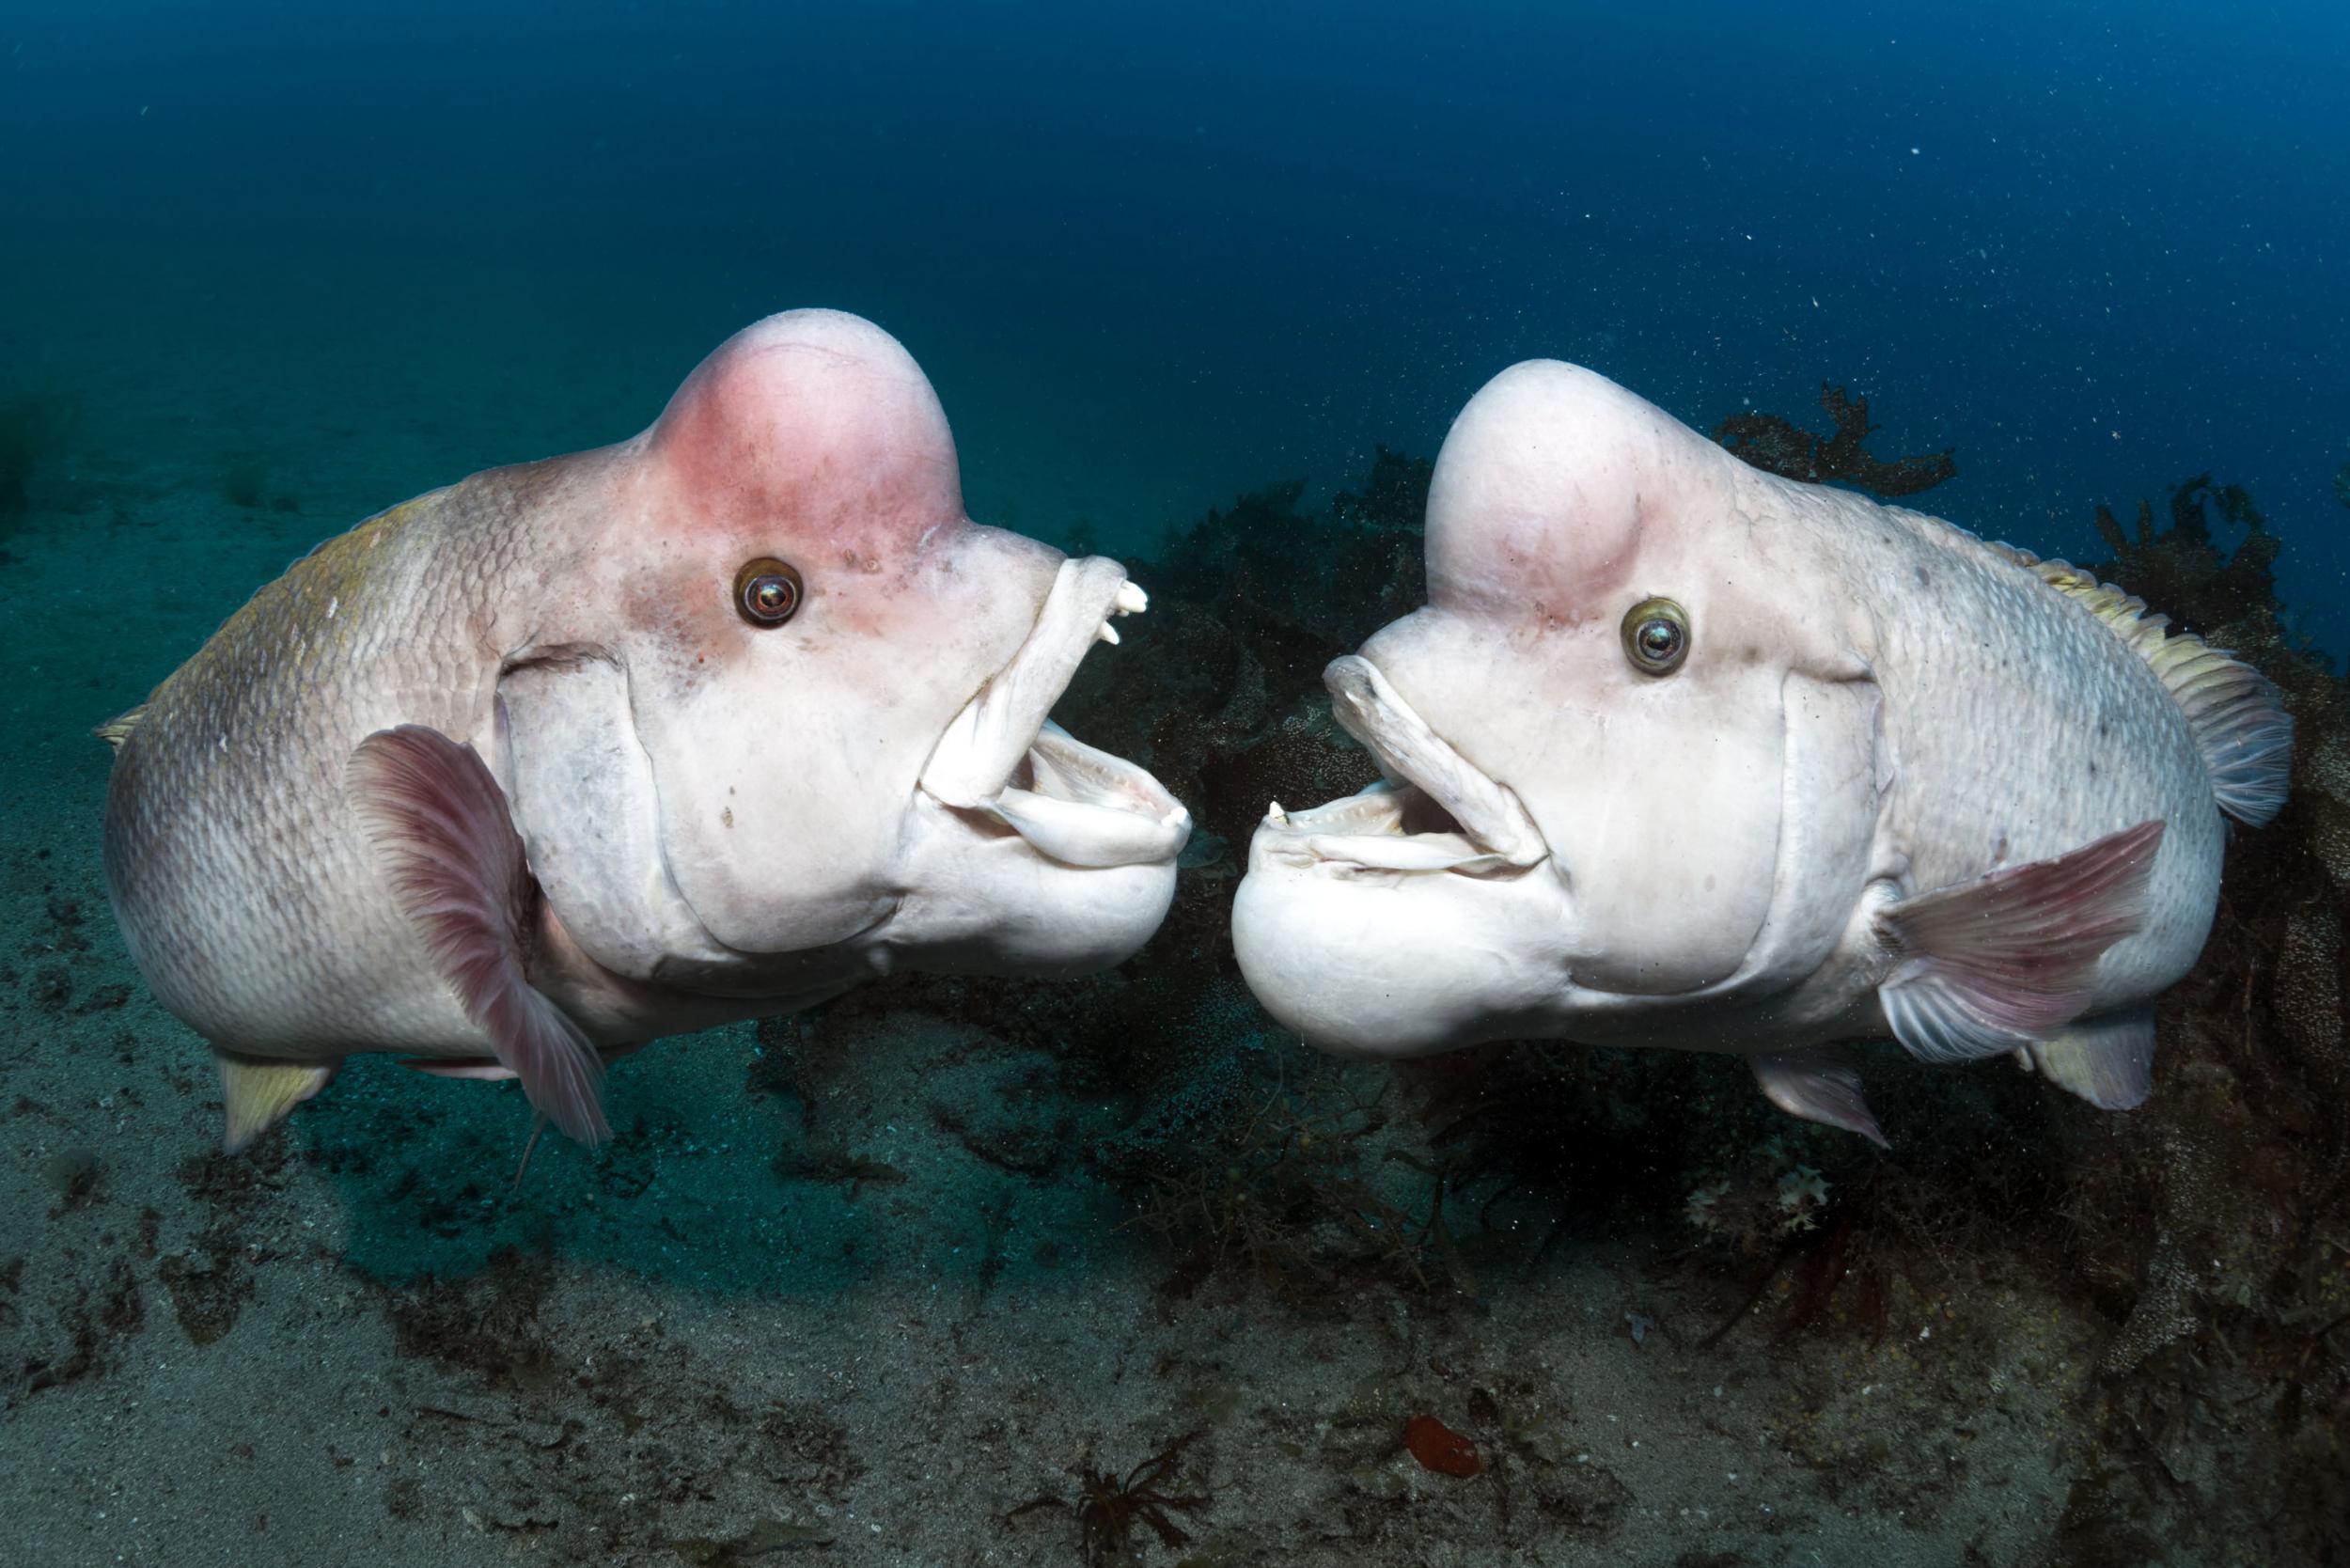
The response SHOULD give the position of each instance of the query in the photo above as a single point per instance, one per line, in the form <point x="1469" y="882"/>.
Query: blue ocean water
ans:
<point x="1156" y="255"/>
<point x="868" y="1283"/>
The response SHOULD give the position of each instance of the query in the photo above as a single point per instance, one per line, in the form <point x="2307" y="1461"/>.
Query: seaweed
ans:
<point x="2180" y="570"/>
<point x="487" y="1326"/>
<point x="1394" y="494"/>
<point x="1108" y="1506"/>
<point x="104" y="1311"/>
<point x="1283" y="1194"/>
<point x="1566" y="1138"/>
<point x="1780" y="447"/>
<point x="2212" y="1225"/>
<point x="209" y="1285"/>
<point x="1869" y="1242"/>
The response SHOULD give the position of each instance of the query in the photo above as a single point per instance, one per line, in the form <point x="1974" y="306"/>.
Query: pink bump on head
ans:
<point x="1545" y="486"/>
<point x="816" y="422"/>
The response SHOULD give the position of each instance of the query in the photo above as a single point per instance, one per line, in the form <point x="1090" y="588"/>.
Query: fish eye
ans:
<point x="1656" y="636"/>
<point x="767" y="591"/>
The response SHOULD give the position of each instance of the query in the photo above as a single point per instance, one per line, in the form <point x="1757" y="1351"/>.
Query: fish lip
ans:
<point x="1003" y="761"/>
<point x="1370" y="830"/>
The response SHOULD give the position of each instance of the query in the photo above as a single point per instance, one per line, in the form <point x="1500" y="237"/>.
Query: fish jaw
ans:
<point x="1421" y="914"/>
<point x="1003" y="762"/>
<point x="1370" y="941"/>
<point x="1029" y="852"/>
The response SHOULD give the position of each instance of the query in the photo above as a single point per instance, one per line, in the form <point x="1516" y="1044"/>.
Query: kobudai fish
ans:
<point x="1684" y="754"/>
<point x="707" y="725"/>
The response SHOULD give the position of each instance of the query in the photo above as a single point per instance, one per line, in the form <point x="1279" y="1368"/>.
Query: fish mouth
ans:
<point x="1004" y="765"/>
<point x="1432" y="813"/>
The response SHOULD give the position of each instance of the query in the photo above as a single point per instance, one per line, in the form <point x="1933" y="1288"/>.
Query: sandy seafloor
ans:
<point x="353" y="1346"/>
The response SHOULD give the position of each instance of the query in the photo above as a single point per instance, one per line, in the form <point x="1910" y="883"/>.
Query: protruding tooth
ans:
<point x="1275" y="814"/>
<point x="1106" y="633"/>
<point x="1131" y="600"/>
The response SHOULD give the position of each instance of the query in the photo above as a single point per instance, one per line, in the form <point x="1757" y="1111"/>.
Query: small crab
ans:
<point x="1109" y="1508"/>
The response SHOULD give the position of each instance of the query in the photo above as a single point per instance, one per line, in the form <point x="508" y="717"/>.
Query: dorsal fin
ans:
<point x="2240" y="723"/>
<point x="118" y="730"/>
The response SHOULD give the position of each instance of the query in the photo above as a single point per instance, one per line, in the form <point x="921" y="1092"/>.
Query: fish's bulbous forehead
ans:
<point x="817" y="421"/>
<point x="1547" y="484"/>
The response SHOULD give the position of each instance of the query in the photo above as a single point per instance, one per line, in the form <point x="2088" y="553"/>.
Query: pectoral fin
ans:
<point x="456" y="866"/>
<point x="2011" y="958"/>
<point x="1818" y="1085"/>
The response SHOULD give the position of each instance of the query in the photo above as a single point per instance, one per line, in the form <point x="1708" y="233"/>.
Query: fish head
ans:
<point x="1584" y="738"/>
<point x="796" y="699"/>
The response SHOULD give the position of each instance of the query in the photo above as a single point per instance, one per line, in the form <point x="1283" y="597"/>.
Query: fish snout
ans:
<point x="1435" y="810"/>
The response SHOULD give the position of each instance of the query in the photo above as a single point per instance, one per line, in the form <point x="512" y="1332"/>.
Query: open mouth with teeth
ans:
<point x="1003" y="762"/>
<point x="1435" y="811"/>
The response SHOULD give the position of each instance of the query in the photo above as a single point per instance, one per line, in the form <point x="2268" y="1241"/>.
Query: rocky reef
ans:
<point x="2214" y="1224"/>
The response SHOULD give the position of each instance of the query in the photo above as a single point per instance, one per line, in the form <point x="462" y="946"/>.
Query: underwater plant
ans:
<point x="1780" y="447"/>
<point x="1286" y="1194"/>
<point x="2214" y="1225"/>
<point x="2180" y="571"/>
<point x="1394" y="492"/>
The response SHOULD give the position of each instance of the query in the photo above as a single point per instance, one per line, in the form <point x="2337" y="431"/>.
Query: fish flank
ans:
<point x="2238" y="719"/>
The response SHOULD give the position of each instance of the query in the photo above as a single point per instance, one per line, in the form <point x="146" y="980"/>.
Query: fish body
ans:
<point x="706" y="725"/>
<point x="1684" y="754"/>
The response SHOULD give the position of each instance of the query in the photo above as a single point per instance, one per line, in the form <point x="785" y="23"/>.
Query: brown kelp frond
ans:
<point x="1780" y="447"/>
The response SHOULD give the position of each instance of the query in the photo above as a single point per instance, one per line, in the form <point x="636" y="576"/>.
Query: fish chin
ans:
<point x="1372" y="943"/>
<point x="1418" y="915"/>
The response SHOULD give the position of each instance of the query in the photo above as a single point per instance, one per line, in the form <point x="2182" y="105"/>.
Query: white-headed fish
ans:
<point x="1684" y="754"/>
<point x="707" y="725"/>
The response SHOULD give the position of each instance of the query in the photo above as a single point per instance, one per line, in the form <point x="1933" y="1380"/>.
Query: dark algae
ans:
<point x="1780" y="447"/>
